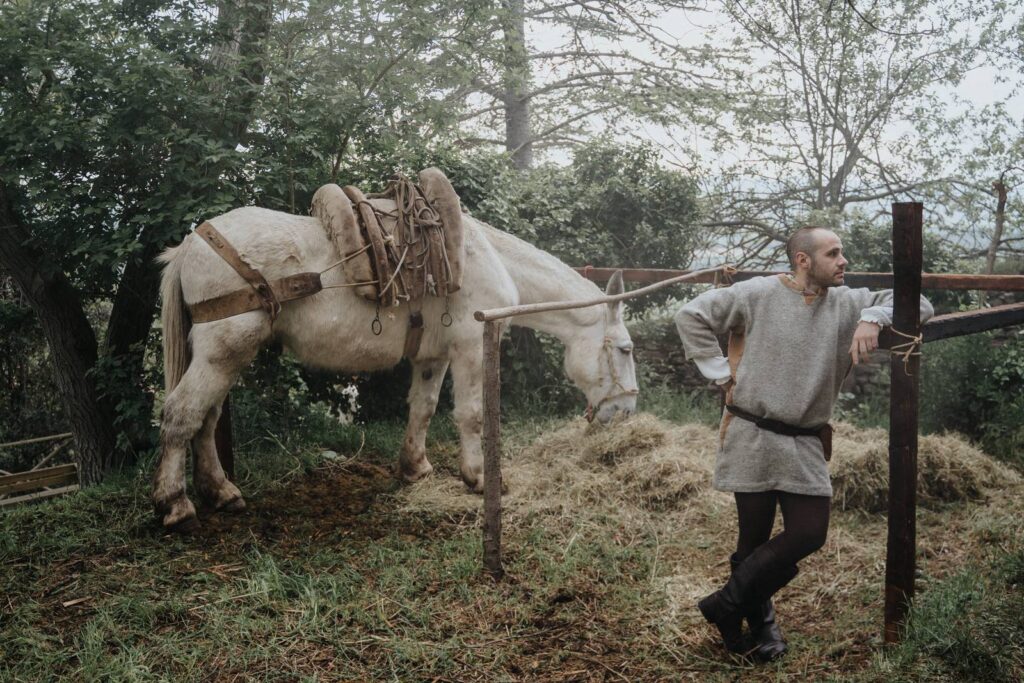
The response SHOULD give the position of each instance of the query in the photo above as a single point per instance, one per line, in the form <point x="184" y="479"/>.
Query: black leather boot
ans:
<point x="753" y="581"/>
<point x="768" y="641"/>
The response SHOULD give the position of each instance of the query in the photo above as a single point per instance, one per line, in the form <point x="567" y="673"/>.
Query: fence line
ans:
<point x="526" y="309"/>
<point x="951" y="281"/>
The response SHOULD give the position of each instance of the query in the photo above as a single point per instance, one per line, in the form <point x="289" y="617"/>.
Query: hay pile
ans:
<point x="644" y="465"/>
<point x="948" y="469"/>
<point x="633" y="466"/>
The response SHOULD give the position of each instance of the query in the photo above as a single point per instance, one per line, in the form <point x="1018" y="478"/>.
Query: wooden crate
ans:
<point x="54" y="481"/>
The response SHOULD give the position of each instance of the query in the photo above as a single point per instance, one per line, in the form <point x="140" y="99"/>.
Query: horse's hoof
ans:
<point x="222" y="497"/>
<point x="474" y="484"/>
<point x="419" y="473"/>
<point x="234" y="505"/>
<point x="181" y="517"/>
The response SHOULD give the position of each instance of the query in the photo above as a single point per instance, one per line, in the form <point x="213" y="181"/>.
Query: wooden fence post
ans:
<point x="222" y="438"/>
<point x="492" y="449"/>
<point x="903" y="412"/>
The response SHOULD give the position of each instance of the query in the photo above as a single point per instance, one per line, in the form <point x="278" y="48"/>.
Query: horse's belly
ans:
<point x="340" y="340"/>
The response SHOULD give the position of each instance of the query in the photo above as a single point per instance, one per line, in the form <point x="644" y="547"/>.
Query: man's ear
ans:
<point x="803" y="261"/>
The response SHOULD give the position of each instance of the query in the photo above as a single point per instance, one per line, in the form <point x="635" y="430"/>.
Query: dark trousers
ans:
<point x="804" y="518"/>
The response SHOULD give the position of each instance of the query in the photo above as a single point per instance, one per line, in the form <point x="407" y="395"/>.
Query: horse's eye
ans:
<point x="626" y="349"/>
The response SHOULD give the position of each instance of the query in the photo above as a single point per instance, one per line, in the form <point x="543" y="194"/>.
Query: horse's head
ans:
<point x="599" y="360"/>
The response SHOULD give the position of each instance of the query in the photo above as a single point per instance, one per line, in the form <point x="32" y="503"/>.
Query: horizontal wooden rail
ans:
<point x="959" y="324"/>
<point x="39" y="495"/>
<point x="59" y="475"/>
<point x="526" y="309"/>
<point x="1004" y="283"/>
<point x="38" y="439"/>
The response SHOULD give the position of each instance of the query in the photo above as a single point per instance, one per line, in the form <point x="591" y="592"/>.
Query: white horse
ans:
<point x="331" y="329"/>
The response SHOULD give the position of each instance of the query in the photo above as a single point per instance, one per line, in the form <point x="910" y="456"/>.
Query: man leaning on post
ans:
<point x="793" y="339"/>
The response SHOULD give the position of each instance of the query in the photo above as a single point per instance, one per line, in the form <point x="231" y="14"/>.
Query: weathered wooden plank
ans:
<point x="38" y="439"/>
<point x="526" y="309"/>
<point x="903" y="412"/>
<point x="492" y="449"/>
<point x="34" y="479"/>
<point x="957" y="281"/>
<point x="970" y="322"/>
<point x="39" y="495"/>
<point x="961" y="323"/>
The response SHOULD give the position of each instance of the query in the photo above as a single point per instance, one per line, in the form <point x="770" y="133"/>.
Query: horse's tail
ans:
<point x="175" y="319"/>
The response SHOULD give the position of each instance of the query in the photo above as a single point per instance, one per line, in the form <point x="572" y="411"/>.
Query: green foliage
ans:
<point x="28" y="397"/>
<point x="972" y="385"/>
<point x="533" y="381"/>
<point x="614" y="206"/>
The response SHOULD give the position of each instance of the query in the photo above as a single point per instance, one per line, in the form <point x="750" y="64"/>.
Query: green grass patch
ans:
<point x="327" y="577"/>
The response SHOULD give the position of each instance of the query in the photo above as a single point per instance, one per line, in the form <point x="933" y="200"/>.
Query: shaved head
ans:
<point x="805" y="240"/>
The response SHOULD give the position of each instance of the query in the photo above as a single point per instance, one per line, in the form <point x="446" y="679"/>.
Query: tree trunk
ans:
<point x="245" y="25"/>
<point x="997" y="234"/>
<point x="130" y="321"/>
<point x="516" y="82"/>
<point x="70" y="338"/>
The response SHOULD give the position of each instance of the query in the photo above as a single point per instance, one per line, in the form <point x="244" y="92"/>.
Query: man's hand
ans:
<point x="865" y="340"/>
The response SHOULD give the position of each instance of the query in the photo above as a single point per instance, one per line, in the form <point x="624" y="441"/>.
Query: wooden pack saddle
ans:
<point x="389" y="255"/>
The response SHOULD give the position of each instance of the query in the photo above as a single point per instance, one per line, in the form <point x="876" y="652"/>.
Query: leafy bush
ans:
<point x="972" y="385"/>
<point x="28" y="397"/>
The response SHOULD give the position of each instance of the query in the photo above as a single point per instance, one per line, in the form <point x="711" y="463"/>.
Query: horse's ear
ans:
<point x="615" y="286"/>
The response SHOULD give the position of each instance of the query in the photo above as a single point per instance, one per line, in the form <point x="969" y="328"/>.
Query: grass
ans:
<point x="329" y="576"/>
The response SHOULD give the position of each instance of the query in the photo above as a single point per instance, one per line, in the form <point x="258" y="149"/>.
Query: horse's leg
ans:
<point x="212" y="486"/>
<point x="427" y="376"/>
<point x="217" y="360"/>
<point x="467" y="377"/>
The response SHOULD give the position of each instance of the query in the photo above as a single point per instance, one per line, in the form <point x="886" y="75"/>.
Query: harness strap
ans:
<point x="263" y="292"/>
<point x="245" y="300"/>
<point x="414" y="335"/>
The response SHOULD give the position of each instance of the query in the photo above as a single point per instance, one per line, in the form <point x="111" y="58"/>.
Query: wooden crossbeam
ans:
<point x="39" y="495"/>
<point x="58" y="475"/>
<point x="957" y="281"/>
<point x="959" y="324"/>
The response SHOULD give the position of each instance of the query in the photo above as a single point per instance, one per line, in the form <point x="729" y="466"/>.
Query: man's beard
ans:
<point x="821" y="276"/>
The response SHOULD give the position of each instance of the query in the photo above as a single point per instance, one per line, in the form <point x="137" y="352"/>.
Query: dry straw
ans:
<point x="949" y="469"/>
<point x="644" y="465"/>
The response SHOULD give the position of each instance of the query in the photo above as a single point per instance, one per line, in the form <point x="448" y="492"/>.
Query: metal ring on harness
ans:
<point x="376" y="327"/>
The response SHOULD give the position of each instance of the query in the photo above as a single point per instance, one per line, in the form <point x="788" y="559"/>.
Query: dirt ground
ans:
<point x="590" y="624"/>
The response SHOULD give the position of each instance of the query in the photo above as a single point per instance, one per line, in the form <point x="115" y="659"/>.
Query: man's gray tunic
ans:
<point x="795" y="356"/>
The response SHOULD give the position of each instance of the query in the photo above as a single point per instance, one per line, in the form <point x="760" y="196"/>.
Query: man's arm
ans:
<point x="700" y="320"/>
<point x="873" y="317"/>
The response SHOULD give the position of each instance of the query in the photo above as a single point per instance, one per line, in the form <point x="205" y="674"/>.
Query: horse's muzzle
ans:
<point x="622" y="405"/>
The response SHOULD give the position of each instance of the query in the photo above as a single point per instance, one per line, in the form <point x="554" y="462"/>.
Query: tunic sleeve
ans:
<point x="876" y="307"/>
<point x="712" y="313"/>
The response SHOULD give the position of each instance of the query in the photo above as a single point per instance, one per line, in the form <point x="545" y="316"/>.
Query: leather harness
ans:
<point x="260" y="294"/>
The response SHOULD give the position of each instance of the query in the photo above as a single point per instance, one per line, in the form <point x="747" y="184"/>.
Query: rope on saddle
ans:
<point x="411" y="261"/>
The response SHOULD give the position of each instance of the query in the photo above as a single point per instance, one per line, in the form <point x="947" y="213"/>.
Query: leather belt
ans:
<point x="824" y="432"/>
